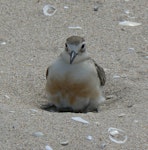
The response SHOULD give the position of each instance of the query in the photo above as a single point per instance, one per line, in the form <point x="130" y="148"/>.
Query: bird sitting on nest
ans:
<point x="74" y="80"/>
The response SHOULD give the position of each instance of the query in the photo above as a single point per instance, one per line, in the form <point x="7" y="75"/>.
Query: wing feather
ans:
<point x="47" y="72"/>
<point x="101" y="73"/>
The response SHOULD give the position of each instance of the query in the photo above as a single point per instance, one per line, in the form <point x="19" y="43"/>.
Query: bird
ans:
<point x="74" y="81"/>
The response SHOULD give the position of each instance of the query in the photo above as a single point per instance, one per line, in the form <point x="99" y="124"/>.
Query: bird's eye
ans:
<point x="82" y="48"/>
<point x="83" y="45"/>
<point x="66" y="47"/>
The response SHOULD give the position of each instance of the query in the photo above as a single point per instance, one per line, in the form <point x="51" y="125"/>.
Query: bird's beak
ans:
<point x="73" y="54"/>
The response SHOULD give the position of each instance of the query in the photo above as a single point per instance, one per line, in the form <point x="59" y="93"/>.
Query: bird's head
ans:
<point x="75" y="49"/>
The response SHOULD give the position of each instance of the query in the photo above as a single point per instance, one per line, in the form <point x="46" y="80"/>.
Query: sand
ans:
<point x="30" y="41"/>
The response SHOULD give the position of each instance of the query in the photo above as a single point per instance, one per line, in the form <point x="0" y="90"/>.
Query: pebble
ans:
<point x="89" y="137"/>
<point x="96" y="8"/>
<point x="38" y="134"/>
<point x="66" y="7"/>
<point x="103" y="145"/>
<point x="64" y="143"/>
<point x="127" y="11"/>
<point x="121" y="115"/>
<point x="6" y="96"/>
<point x="97" y="123"/>
<point x="11" y="111"/>
<point x="47" y="147"/>
<point x="33" y="110"/>
<point x="76" y="27"/>
<point x="136" y="121"/>
<point x="3" y="43"/>
<point x="110" y="96"/>
<point x="131" y="49"/>
<point x="124" y="76"/>
<point x="130" y="105"/>
<point x="116" y="77"/>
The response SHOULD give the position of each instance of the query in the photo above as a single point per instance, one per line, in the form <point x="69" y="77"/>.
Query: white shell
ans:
<point x="7" y="96"/>
<point x="129" y="23"/>
<point x="79" y="119"/>
<point x="33" y="110"/>
<point x="38" y="134"/>
<point x="64" y="143"/>
<point x="116" y="77"/>
<point x="117" y="135"/>
<point x="89" y="137"/>
<point x="75" y="27"/>
<point x="49" y="10"/>
<point x="48" y="147"/>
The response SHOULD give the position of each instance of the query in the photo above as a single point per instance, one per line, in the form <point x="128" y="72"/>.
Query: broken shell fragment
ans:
<point x="121" y="115"/>
<point x="64" y="143"/>
<point x="79" y="119"/>
<point x="117" y="135"/>
<point x="48" y="147"/>
<point x="75" y="27"/>
<point x="129" y="23"/>
<point x="49" y="10"/>
<point x="38" y="134"/>
<point x="116" y="77"/>
<point x="89" y="137"/>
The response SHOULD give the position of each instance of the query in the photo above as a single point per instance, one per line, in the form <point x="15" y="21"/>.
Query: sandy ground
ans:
<point x="30" y="41"/>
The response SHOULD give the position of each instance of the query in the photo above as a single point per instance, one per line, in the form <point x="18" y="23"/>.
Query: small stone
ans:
<point x="121" y="115"/>
<point x="116" y="77"/>
<point x="11" y="111"/>
<point x="75" y="27"/>
<point x="110" y="96"/>
<point x="6" y="96"/>
<point x="89" y="138"/>
<point x="131" y="49"/>
<point x="33" y="110"/>
<point x="38" y="134"/>
<point x="96" y="8"/>
<point x="48" y="147"/>
<point x="129" y="105"/>
<point x="2" y="41"/>
<point x="136" y="121"/>
<point x="124" y="76"/>
<point x="66" y="7"/>
<point x="103" y="145"/>
<point x="64" y="143"/>
<point x="97" y="123"/>
<point x="127" y="11"/>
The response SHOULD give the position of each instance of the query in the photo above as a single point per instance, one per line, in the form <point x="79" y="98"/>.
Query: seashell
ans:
<point x="129" y="23"/>
<point x="49" y="10"/>
<point x="117" y="135"/>
<point x="79" y="119"/>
